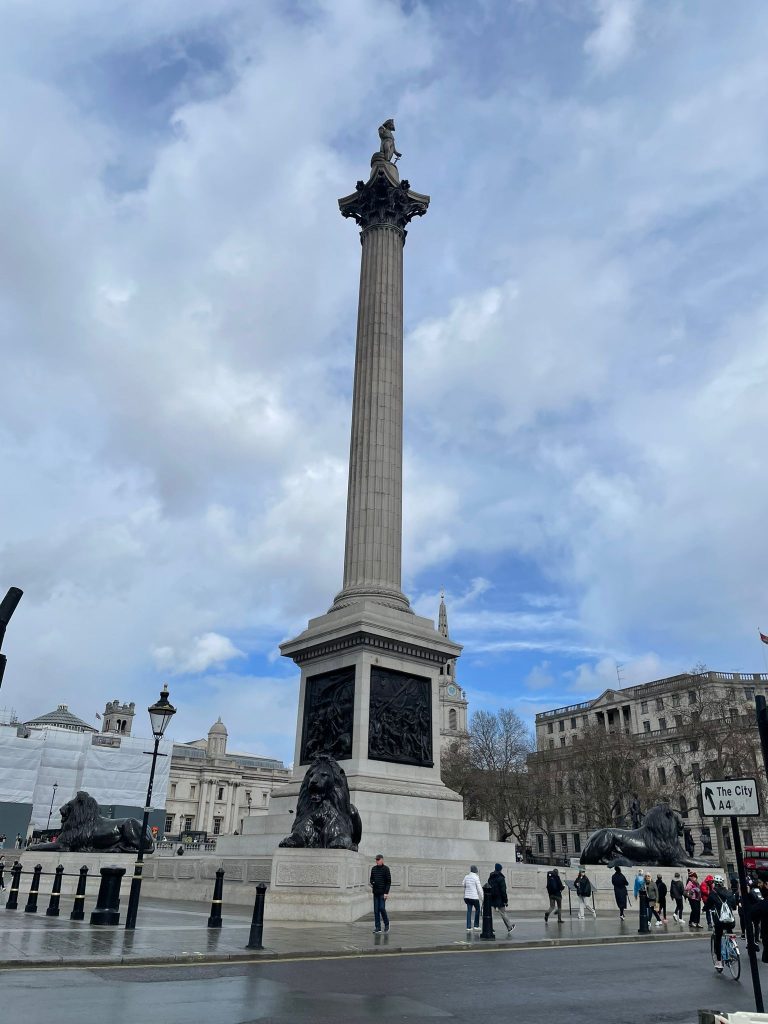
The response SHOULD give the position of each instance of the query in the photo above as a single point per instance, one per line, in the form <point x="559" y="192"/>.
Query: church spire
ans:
<point x="442" y="619"/>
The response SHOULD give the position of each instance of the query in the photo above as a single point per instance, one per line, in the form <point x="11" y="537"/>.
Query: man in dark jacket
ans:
<point x="498" y="884"/>
<point x="620" y="884"/>
<point x="555" y="892"/>
<point x="583" y="888"/>
<point x="381" y="880"/>
<point x="676" y="893"/>
<point x="661" y="889"/>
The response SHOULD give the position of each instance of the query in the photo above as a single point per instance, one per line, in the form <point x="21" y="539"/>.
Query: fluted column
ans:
<point x="372" y="554"/>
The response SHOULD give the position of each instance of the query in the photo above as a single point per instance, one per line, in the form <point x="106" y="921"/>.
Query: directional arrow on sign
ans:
<point x="708" y="794"/>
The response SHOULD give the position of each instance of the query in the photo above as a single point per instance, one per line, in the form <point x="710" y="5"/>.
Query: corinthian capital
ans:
<point x="383" y="199"/>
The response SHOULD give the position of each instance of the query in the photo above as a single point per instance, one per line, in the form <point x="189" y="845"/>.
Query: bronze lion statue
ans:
<point x="325" y="817"/>
<point x="84" y="830"/>
<point x="657" y="841"/>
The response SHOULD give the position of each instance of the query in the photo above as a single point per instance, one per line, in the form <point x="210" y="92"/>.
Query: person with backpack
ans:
<point x="693" y="895"/>
<point x="555" y="889"/>
<point x="720" y="906"/>
<point x="583" y="888"/>
<point x="498" y="884"/>
<point x="676" y="892"/>
<point x="661" y="889"/>
<point x="620" y="886"/>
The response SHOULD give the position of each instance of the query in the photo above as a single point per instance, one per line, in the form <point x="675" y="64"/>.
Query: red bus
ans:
<point x="755" y="857"/>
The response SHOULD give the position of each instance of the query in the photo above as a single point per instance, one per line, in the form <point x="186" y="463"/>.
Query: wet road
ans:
<point x="660" y="982"/>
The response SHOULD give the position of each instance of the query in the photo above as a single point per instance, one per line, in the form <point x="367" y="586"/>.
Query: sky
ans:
<point x="586" y="341"/>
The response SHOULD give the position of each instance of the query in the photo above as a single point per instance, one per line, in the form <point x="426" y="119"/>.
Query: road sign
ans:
<point x="728" y="798"/>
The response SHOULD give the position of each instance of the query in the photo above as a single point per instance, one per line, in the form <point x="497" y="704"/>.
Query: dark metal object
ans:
<point x="53" y="905"/>
<point x="257" y="921"/>
<point x="657" y="841"/>
<point x="78" y="911"/>
<point x="13" y="895"/>
<point x="108" y="901"/>
<point x="329" y="700"/>
<point x="487" y="932"/>
<point x="160" y="714"/>
<point x="325" y="816"/>
<point x="642" y="902"/>
<point x="34" y="889"/>
<point x="400" y="718"/>
<point x="751" y="948"/>
<point x="214" y="921"/>
<point x="84" y="830"/>
<point x="7" y="608"/>
<point x="50" y="809"/>
<point x="762" y="728"/>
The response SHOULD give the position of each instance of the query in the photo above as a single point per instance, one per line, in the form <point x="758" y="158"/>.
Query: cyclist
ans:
<point x="721" y="903"/>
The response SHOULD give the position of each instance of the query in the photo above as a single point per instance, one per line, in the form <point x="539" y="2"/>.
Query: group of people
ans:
<point x="473" y="896"/>
<point x="18" y="842"/>
<point x="555" y="889"/>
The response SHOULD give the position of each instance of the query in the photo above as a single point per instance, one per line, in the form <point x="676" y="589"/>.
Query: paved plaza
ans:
<point x="168" y="931"/>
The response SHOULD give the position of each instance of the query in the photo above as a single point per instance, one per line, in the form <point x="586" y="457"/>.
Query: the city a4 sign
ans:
<point x="730" y="798"/>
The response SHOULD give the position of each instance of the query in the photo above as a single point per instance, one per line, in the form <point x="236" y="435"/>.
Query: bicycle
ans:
<point x="730" y="955"/>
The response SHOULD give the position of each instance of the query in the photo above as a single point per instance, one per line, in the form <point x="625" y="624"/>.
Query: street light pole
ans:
<point x="50" y="812"/>
<point x="160" y="714"/>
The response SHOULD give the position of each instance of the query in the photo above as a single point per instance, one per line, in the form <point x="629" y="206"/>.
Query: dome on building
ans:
<point x="218" y="728"/>
<point x="61" y="718"/>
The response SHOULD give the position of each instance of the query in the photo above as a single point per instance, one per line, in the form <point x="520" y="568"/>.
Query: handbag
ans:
<point x="725" y="914"/>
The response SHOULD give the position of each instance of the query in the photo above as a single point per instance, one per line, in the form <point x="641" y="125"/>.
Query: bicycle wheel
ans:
<point x="734" y="960"/>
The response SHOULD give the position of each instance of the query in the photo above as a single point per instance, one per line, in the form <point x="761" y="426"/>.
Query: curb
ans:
<point x="270" y="955"/>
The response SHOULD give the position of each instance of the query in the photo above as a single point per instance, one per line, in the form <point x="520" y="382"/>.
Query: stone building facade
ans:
<point x="453" y="699"/>
<point x="658" y="716"/>
<point x="213" y="791"/>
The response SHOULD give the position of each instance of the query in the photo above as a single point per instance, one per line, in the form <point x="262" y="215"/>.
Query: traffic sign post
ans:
<point x="727" y="798"/>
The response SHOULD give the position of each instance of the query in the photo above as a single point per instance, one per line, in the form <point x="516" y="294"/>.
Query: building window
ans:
<point x="561" y="725"/>
<point x="188" y="822"/>
<point x="646" y="726"/>
<point x="576" y="842"/>
<point x="550" y="727"/>
<point x="749" y="692"/>
<point x="676" y="750"/>
<point x="217" y="826"/>
<point x="220" y="795"/>
<point x="678" y="773"/>
<point x="691" y="696"/>
<point x="662" y="723"/>
<point x="733" y="713"/>
<point x="192" y="791"/>
<point x="564" y="842"/>
<point x="659" y="703"/>
<point x="747" y="833"/>
<point x="646" y="776"/>
<point x="678" y="721"/>
<point x="562" y="741"/>
<point x="551" y="744"/>
<point x="683" y="807"/>
<point x="662" y="776"/>
<point x="726" y="838"/>
<point x="264" y="798"/>
<point x="694" y="746"/>
<point x="551" y="842"/>
<point x="571" y="785"/>
<point x="562" y="817"/>
<point x="675" y="700"/>
<point x="452" y="719"/>
<point x="173" y="789"/>
<point x="247" y="796"/>
<point x="696" y="771"/>
<point x="540" y="843"/>
<point x="643" y="707"/>
<point x="168" y="823"/>
<point x="573" y="723"/>
<point x="585" y="720"/>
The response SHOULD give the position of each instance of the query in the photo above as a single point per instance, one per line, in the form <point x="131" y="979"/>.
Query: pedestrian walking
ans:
<point x="661" y="889"/>
<point x="652" y="894"/>
<point x="639" y="882"/>
<point x="19" y="840"/>
<point x="676" y="893"/>
<point x="473" y="897"/>
<point x="380" y="881"/>
<point x="2" y="872"/>
<point x="583" y="888"/>
<point x="2" y="841"/>
<point x="620" y="886"/>
<point x="706" y="888"/>
<point x="498" y="884"/>
<point x="693" y="895"/>
<point x="555" y="889"/>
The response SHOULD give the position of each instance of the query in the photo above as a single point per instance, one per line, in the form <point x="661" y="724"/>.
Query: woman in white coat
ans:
<point x="473" y="897"/>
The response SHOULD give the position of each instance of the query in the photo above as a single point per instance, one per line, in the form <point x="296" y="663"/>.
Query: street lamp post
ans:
<point x="50" y="812"/>
<point x="160" y="714"/>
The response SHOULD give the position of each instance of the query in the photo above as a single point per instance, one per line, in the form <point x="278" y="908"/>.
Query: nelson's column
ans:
<point x="370" y="668"/>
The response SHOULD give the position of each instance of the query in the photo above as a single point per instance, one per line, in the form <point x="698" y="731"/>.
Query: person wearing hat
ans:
<point x="498" y="884"/>
<point x="381" y="880"/>
<point x="583" y="888"/>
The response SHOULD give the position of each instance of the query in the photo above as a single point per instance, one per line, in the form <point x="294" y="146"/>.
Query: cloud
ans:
<point x="206" y="651"/>
<point x="612" y="39"/>
<point x="540" y="677"/>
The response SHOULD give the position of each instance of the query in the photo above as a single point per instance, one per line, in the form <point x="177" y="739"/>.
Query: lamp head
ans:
<point x="160" y="713"/>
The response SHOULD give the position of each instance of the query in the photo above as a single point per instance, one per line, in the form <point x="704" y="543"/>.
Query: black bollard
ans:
<point x="78" y="912"/>
<point x="34" y="889"/>
<point x="53" y="906"/>
<point x="214" y="921"/>
<point x="642" y="902"/>
<point x="487" y="932"/>
<point x="13" y="895"/>
<point x="257" y="921"/>
<point x="108" y="902"/>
